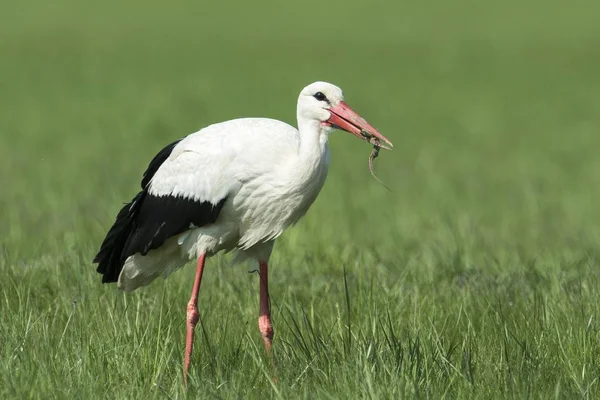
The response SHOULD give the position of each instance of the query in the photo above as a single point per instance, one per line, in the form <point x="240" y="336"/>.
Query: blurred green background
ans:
<point x="482" y="264"/>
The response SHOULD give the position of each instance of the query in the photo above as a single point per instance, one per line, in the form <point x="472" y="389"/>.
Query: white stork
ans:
<point x="234" y="185"/>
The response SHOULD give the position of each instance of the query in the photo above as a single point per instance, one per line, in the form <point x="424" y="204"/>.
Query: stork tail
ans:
<point x="112" y="255"/>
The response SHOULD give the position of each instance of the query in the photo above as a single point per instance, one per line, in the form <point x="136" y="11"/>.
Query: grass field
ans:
<point x="477" y="277"/>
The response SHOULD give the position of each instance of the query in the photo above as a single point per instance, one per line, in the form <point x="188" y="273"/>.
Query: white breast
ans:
<point x="256" y="164"/>
<point x="266" y="205"/>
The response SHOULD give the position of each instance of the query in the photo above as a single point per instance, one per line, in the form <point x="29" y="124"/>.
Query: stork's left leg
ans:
<point x="264" y="319"/>
<point x="192" y="316"/>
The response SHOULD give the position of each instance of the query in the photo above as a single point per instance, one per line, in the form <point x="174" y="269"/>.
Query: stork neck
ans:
<point x="311" y="161"/>
<point x="313" y="137"/>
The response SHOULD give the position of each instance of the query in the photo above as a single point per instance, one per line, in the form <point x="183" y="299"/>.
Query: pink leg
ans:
<point x="192" y="316"/>
<point x="264" y="319"/>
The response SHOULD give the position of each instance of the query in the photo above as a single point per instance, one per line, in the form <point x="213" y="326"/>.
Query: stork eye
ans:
<point x="320" y="96"/>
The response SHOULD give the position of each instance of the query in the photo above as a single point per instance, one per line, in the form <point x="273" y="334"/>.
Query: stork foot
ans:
<point x="266" y="331"/>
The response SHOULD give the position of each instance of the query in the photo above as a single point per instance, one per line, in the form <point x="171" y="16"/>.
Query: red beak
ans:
<point x="345" y="118"/>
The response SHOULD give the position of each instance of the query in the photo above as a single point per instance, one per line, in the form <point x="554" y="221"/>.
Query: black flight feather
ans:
<point x="156" y="162"/>
<point x="148" y="220"/>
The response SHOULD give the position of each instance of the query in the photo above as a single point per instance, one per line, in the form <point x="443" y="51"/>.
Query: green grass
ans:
<point x="477" y="277"/>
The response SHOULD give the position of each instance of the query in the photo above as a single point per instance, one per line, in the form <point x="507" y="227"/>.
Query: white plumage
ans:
<point x="268" y="175"/>
<point x="235" y="185"/>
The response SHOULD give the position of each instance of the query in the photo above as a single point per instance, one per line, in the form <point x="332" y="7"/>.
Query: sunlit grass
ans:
<point x="476" y="277"/>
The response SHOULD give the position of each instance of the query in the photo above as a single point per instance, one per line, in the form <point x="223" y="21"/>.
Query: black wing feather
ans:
<point x="148" y="220"/>
<point x="161" y="217"/>
<point x="156" y="162"/>
<point x="111" y="256"/>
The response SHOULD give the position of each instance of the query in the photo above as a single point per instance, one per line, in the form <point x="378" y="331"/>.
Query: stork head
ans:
<point x="323" y="103"/>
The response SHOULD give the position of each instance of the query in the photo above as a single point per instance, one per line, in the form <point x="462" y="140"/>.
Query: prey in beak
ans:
<point x="345" y="118"/>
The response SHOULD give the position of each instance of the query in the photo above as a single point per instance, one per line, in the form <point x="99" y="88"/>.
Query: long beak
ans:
<point x="345" y="118"/>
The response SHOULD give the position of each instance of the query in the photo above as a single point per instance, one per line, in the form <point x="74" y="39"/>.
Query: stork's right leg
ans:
<point x="264" y="320"/>
<point x="192" y="316"/>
